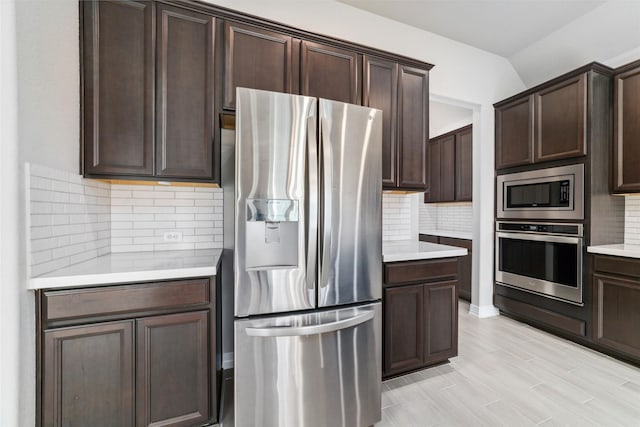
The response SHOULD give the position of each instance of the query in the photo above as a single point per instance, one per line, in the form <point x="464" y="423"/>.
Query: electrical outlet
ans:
<point x="172" y="236"/>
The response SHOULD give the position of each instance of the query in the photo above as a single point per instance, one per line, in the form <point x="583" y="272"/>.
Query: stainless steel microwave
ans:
<point x="550" y="193"/>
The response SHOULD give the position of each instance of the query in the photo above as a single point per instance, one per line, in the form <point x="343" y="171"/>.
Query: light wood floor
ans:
<point x="508" y="374"/>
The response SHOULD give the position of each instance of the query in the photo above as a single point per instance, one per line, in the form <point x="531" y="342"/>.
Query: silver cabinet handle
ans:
<point x="294" y="331"/>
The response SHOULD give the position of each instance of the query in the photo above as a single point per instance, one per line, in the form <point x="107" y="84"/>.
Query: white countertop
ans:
<point x="448" y="233"/>
<point x="405" y="250"/>
<point x="629" y="251"/>
<point x="127" y="267"/>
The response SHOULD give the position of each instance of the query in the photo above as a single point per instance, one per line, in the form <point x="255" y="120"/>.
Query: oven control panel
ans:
<point x="569" y="229"/>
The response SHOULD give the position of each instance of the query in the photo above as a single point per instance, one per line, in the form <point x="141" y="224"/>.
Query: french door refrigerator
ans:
<point x="308" y="261"/>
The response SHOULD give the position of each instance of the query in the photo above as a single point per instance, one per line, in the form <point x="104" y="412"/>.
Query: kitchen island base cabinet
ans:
<point x="150" y="360"/>
<point x="420" y="319"/>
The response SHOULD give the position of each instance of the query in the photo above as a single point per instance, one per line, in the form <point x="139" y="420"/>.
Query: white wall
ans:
<point x="444" y="118"/>
<point x="9" y="213"/>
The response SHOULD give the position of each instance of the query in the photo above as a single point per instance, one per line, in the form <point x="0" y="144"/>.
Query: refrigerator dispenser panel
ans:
<point x="272" y="234"/>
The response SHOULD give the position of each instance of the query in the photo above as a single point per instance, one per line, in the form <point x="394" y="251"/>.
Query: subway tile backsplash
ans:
<point x="397" y="211"/>
<point x="142" y="214"/>
<point x="632" y="220"/>
<point x="68" y="219"/>
<point x="72" y="219"/>
<point x="446" y="217"/>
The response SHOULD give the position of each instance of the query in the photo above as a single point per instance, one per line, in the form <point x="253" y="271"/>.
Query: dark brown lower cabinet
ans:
<point x="616" y="308"/>
<point x="465" y="263"/>
<point x="88" y="376"/>
<point x="146" y="354"/>
<point x="420" y="325"/>
<point x="441" y="321"/>
<point x="172" y="369"/>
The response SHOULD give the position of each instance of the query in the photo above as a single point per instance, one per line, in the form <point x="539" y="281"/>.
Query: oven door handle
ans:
<point x="540" y="237"/>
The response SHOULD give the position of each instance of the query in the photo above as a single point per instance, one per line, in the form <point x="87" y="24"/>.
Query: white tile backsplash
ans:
<point x="397" y="216"/>
<point x="68" y="220"/>
<point x="446" y="217"/>
<point x="72" y="219"/>
<point x="632" y="220"/>
<point x="141" y="214"/>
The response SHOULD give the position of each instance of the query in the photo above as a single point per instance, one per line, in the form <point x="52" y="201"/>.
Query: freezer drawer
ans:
<point x="308" y="370"/>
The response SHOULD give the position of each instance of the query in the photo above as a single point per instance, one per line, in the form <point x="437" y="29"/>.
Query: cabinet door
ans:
<point x="413" y="131"/>
<point x="403" y="329"/>
<point x="118" y="78"/>
<point x="464" y="165"/>
<point x="626" y="142"/>
<point x="185" y="84"/>
<point x="514" y="133"/>
<point x="258" y="59"/>
<point x="381" y="92"/>
<point x="435" y="172"/>
<point x="447" y="169"/>
<point x="331" y="73"/>
<point x="172" y="370"/>
<point x="616" y="315"/>
<point x="88" y="376"/>
<point x="440" y="321"/>
<point x="561" y="120"/>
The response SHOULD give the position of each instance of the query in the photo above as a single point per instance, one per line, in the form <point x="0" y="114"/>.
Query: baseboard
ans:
<point x="227" y="360"/>
<point x="484" y="311"/>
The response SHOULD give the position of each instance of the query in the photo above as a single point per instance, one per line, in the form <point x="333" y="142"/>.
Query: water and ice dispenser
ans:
<point x="272" y="234"/>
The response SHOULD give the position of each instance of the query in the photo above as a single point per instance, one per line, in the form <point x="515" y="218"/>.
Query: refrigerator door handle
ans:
<point x="326" y="202"/>
<point x="292" y="331"/>
<point x="311" y="235"/>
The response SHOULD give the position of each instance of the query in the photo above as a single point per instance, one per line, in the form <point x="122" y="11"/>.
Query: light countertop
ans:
<point x="448" y="233"/>
<point x="629" y="251"/>
<point x="128" y="267"/>
<point x="405" y="250"/>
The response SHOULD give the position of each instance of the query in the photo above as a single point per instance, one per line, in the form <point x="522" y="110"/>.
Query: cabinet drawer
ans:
<point x="62" y="305"/>
<point x="420" y="271"/>
<point x="617" y="265"/>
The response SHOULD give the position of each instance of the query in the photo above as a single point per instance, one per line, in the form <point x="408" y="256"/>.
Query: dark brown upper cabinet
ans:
<point x="380" y="82"/>
<point x="450" y="167"/>
<point x="413" y="128"/>
<point x="148" y="91"/>
<point x="185" y="89"/>
<point x="402" y="93"/>
<point x="514" y="133"/>
<point x="118" y="99"/>
<point x="549" y="122"/>
<point x="259" y="59"/>
<point x="464" y="164"/>
<point x="330" y="72"/>
<point x="560" y="120"/>
<point x="626" y="129"/>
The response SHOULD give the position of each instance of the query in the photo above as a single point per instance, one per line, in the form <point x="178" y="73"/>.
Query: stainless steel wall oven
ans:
<point x="543" y="258"/>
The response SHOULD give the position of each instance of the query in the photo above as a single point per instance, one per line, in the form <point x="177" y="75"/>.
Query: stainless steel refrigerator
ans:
<point x="307" y="261"/>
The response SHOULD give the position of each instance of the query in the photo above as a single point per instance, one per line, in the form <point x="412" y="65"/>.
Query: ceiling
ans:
<point x="541" y="38"/>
